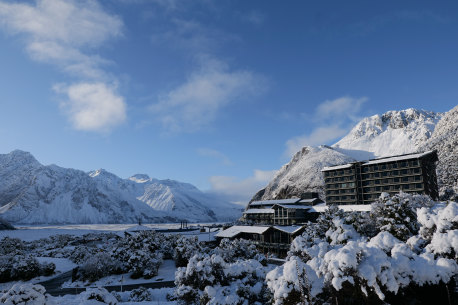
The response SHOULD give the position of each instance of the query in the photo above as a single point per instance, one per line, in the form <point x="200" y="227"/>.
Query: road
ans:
<point x="53" y="286"/>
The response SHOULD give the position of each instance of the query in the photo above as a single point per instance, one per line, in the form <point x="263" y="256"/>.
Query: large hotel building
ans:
<point x="363" y="182"/>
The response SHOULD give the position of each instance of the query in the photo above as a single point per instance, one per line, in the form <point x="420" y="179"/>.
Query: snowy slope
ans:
<point x="445" y="140"/>
<point x="302" y="173"/>
<point x="185" y="199"/>
<point x="33" y="193"/>
<point x="392" y="133"/>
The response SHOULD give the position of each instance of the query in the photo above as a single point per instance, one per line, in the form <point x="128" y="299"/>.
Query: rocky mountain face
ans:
<point x="302" y="173"/>
<point x="392" y="133"/>
<point x="31" y="193"/>
<point x="445" y="140"/>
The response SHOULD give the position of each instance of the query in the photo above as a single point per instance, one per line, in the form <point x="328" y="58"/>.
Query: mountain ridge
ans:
<point x="32" y="193"/>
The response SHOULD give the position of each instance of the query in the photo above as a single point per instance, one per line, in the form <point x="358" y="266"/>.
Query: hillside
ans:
<point x="31" y="193"/>
<point x="302" y="173"/>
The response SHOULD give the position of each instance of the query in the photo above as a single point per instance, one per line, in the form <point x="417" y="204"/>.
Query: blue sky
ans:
<point x="215" y="93"/>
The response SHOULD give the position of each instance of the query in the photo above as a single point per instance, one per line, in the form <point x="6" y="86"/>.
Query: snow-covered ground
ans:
<point x="62" y="265"/>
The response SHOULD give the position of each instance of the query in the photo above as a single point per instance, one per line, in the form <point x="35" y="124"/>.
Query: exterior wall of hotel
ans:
<point x="342" y="185"/>
<point x="290" y="216"/>
<point x="362" y="183"/>
<point x="259" y="218"/>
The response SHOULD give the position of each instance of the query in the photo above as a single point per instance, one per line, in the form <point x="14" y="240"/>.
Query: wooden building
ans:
<point x="269" y="239"/>
<point x="281" y="211"/>
<point x="363" y="182"/>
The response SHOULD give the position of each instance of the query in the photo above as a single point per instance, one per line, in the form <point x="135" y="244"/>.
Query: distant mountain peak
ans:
<point x="140" y="178"/>
<point x="18" y="155"/>
<point x="97" y="172"/>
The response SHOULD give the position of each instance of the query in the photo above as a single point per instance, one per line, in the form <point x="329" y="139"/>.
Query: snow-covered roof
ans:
<point x="276" y="201"/>
<point x="343" y="207"/>
<point x="310" y="200"/>
<point x="235" y="230"/>
<point x="259" y="211"/>
<point x="398" y="158"/>
<point x="288" y="229"/>
<point x="343" y="166"/>
<point x="294" y="206"/>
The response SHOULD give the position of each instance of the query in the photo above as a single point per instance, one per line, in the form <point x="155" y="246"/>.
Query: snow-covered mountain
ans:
<point x="34" y="193"/>
<point x="445" y="140"/>
<point x="302" y="173"/>
<point x="392" y="133"/>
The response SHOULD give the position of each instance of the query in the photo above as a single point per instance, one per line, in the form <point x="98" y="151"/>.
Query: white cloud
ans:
<point x="341" y="113"/>
<point x="57" y="31"/>
<point x="93" y="106"/>
<point x="213" y="153"/>
<point x="65" y="34"/>
<point x="340" y="108"/>
<point x="318" y="136"/>
<point x="238" y="190"/>
<point x="197" y="102"/>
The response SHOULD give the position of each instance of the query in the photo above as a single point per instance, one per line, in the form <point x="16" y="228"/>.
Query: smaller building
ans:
<point x="290" y="211"/>
<point x="268" y="239"/>
<point x="259" y="216"/>
<point x="291" y="214"/>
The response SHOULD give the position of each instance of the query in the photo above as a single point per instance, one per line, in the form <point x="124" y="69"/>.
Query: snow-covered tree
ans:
<point x="96" y="296"/>
<point x="397" y="214"/>
<point x="22" y="267"/>
<point x="348" y="268"/>
<point x="98" y="266"/>
<point x="186" y="247"/>
<point x="141" y="294"/>
<point x="439" y="229"/>
<point x="26" y="294"/>
<point x="210" y="280"/>
<point x="239" y="249"/>
<point x="140" y="254"/>
<point x="11" y="246"/>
